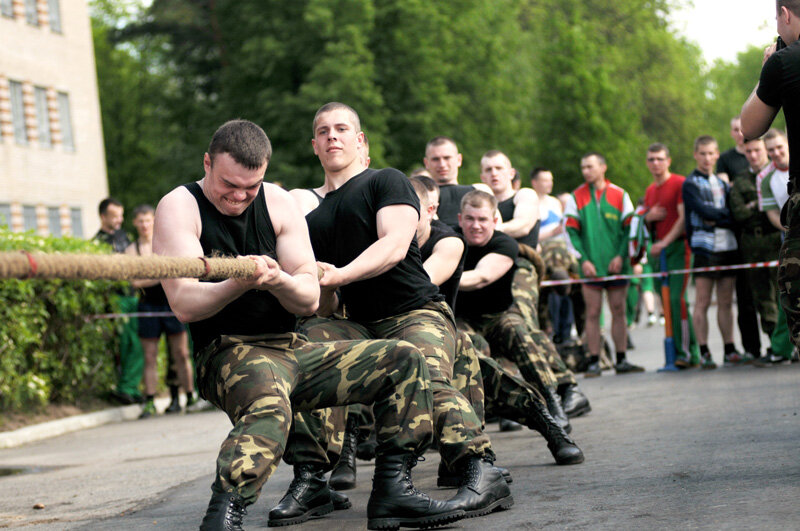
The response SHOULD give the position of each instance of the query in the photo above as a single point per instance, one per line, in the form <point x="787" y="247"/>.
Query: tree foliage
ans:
<point x="543" y="80"/>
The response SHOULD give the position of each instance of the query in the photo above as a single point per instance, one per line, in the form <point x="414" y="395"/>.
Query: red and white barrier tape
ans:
<point x="753" y="265"/>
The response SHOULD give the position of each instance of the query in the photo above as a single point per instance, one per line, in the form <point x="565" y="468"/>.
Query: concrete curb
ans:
<point x="54" y="428"/>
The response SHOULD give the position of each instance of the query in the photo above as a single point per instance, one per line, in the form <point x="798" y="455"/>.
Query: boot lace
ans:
<point x="410" y="462"/>
<point x="235" y="513"/>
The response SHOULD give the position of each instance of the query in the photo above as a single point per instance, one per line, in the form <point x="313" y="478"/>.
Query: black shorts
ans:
<point x="716" y="259"/>
<point x="153" y="327"/>
<point x="609" y="284"/>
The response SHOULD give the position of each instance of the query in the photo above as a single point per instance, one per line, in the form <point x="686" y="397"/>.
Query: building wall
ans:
<point x="60" y="181"/>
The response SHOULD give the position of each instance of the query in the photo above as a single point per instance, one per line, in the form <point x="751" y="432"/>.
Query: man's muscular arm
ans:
<point x="526" y="212"/>
<point x="757" y="116"/>
<point x="397" y="225"/>
<point x="444" y="259"/>
<point x="489" y="269"/>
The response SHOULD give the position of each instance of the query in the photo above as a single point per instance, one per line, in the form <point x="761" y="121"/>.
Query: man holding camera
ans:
<point x="778" y="87"/>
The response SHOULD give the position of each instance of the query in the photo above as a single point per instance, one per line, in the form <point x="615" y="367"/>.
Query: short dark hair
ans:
<point x="774" y="133"/>
<point x="658" y="147"/>
<point x="438" y="141"/>
<point x="477" y="199"/>
<point x="335" y="106"/>
<point x="704" y="140"/>
<point x="597" y="154"/>
<point x="536" y="171"/>
<point x="419" y="171"/>
<point x="105" y="203"/>
<point x="425" y="181"/>
<point x="143" y="209"/>
<point x="244" y="141"/>
<point x="791" y="5"/>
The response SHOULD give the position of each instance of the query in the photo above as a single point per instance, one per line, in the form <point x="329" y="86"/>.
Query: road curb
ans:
<point x="54" y="428"/>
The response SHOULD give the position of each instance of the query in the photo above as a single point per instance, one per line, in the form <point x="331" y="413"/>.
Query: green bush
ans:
<point x="50" y="351"/>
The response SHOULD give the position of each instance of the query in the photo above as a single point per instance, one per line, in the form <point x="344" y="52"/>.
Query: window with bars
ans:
<point x="66" y="121"/>
<point x="54" y="221"/>
<point x="31" y="13"/>
<point x="76" y="221"/>
<point x="5" y="215"/>
<point x="42" y="116"/>
<point x="18" y="112"/>
<point x="54" y="9"/>
<point x="7" y="8"/>
<point x="29" y="217"/>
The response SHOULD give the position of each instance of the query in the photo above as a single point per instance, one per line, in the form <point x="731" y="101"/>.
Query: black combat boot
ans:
<point x="343" y="476"/>
<point x="451" y="479"/>
<point x="394" y="501"/>
<point x="225" y="512"/>
<point x="308" y="496"/>
<point x="483" y="488"/>
<point x="573" y="400"/>
<point x="340" y="501"/>
<point x="563" y="448"/>
<point x="553" y="402"/>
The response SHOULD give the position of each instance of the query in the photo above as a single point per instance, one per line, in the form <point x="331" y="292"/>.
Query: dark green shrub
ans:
<point x="50" y="351"/>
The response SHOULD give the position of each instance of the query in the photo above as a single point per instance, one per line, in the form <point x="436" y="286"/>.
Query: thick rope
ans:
<point x="24" y="265"/>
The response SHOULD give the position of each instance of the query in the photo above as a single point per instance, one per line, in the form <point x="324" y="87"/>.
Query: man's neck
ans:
<point x="423" y="238"/>
<point x="505" y="194"/>
<point x="451" y="182"/>
<point x="600" y="184"/>
<point x="108" y="230"/>
<point x="739" y="149"/>
<point x="336" y="179"/>
<point x="661" y="179"/>
<point x="759" y="167"/>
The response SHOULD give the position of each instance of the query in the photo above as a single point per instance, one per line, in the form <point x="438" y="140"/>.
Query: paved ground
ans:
<point x="711" y="450"/>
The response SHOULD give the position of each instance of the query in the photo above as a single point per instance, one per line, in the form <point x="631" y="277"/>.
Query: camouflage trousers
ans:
<point x="789" y="266"/>
<point x="432" y="330"/>
<point x="763" y="281"/>
<point x="525" y="289"/>
<point x="259" y="380"/>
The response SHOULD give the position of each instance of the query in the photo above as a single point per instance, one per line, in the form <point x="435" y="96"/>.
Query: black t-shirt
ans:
<point x="440" y="231"/>
<point x="118" y="240"/>
<point x="780" y="87"/>
<point x="450" y="202"/>
<point x="506" y="209"/>
<point x="251" y="232"/>
<point x="496" y="297"/>
<point x="733" y="163"/>
<point x="344" y="225"/>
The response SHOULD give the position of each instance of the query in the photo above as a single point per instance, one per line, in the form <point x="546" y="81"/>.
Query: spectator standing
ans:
<point x="778" y="88"/>
<point x="709" y="231"/>
<point x="733" y="161"/>
<point x="153" y="299"/>
<point x="598" y="220"/>
<point x="130" y="361"/>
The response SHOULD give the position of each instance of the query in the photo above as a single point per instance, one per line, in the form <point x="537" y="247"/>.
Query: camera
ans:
<point x="779" y="44"/>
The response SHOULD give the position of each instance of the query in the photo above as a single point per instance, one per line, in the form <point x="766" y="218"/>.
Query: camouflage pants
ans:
<point x="432" y="330"/>
<point x="509" y="337"/>
<point x="763" y="281"/>
<point x="506" y="395"/>
<point x="259" y="380"/>
<point x="525" y="290"/>
<point x="467" y="374"/>
<point x="789" y="266"/>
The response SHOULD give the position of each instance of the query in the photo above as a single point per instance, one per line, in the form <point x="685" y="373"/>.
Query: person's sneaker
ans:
<point x="682" y="363"/>
<point x="771" y="360"/>
<point x="625" y="366"/>
<point x="593" y="370"/>
<point x="198" y="404"/>
<point x="148" y="410"/>
<point x="651" y="320"/>
<point x="707" y="363"/>
<point x="631" y="346"/>
<point x="738" y="358"/>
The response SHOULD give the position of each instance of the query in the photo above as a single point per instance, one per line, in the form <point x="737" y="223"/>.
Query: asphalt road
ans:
<point x="697" y="449"/>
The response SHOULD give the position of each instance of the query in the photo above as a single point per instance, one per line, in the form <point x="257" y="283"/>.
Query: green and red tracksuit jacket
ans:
<point x="598" y="224"/>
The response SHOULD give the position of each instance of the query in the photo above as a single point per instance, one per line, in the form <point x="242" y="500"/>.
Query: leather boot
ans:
<point x="482" y="488"/>
<point x="573" y="400"/>
<point x="553" y="402"/>
<point x="509" y="425"/>
<point x="563" y="448"/>
<point x="395" y="502"/>
<point x="343" y="475"/>
<point x="308" y="496"/>
<point x="340" y="501"/>
<point x="225" y="512"/>
<point x="450" y="479"/>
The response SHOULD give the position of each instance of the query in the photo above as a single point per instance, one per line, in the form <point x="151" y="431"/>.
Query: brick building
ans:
<point x="52" y="163"/>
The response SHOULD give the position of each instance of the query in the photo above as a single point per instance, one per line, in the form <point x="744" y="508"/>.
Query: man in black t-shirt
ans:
<point x="443" y="255"/>
<point x="778" y="88"/>
<point x="363" y="235"/>
<point x="485" y="302"/>
<point x="733" y="162"/>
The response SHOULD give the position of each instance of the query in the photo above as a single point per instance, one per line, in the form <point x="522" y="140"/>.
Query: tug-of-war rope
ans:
<point x="25" y="265"/>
